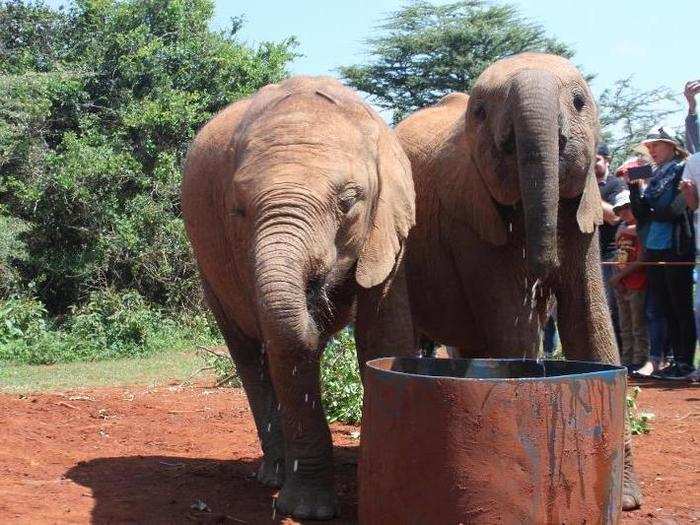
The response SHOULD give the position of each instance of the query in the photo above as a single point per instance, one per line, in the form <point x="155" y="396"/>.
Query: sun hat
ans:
<point x="660" y="135"/>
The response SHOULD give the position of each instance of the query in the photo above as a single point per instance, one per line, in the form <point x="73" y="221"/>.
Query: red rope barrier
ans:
<point x="651" y="263"/>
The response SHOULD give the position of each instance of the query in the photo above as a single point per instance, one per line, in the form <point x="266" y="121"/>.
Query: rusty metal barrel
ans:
<point x="450" y="441"/>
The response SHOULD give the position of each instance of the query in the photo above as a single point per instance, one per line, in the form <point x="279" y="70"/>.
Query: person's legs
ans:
<point x="679" y="281"/>
<point x="656" y="320"/>
<point x="625" y="320"/>
<point x="640" y="334"/>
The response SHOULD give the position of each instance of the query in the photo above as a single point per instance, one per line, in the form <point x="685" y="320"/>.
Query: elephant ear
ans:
<point x="394" y="215"/>
<point x="590" y="211"/>
<point x="463" y="193"/>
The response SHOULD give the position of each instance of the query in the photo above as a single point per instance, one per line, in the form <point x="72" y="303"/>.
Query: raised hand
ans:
<point x="692" y="88"/>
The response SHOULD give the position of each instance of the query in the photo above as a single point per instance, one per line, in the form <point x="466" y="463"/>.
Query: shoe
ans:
<point x="644" y="370"/>
<point x="674" y="371"/>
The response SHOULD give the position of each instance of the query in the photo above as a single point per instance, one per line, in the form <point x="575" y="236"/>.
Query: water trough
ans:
<point x="491" y="441"/>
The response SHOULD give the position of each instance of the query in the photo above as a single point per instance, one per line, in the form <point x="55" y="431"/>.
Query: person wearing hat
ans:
<point x="610" y="187"/>
<point x="630" y="283"/>
<point x="666" y="230"/>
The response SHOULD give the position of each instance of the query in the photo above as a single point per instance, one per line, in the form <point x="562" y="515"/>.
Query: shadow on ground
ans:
<point x="162" y="489"/>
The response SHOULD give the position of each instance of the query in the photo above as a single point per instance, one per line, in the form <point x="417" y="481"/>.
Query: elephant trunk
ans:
<point x="536" y="128"/>
<point x="281" y="262"/>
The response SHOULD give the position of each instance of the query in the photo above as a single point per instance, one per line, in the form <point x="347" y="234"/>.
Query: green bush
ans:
<point x="341" y="387"/>
<point x="110" y="325"/>
<point x="98" y="104"/>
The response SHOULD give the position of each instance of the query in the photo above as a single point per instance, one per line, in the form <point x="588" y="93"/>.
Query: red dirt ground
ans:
<point x="138" y="455"/>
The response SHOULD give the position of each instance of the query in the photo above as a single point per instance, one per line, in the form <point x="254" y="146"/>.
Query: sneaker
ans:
<point x="674" y="371"/>
<point x="695" y="376"/>
<point x="644" y="370"/>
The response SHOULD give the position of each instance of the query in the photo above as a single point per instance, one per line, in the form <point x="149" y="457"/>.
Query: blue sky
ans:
<point x="612" y="38"/>
<point x="657" y="42"/>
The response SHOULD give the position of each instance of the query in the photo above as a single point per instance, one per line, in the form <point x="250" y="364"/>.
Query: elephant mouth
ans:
<point x="318" y="301"/>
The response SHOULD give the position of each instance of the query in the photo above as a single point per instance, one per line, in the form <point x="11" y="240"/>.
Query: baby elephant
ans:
<point x="297" y="202"/>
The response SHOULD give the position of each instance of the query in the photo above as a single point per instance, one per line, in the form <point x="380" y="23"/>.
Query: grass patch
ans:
<point x="157" y="369"/>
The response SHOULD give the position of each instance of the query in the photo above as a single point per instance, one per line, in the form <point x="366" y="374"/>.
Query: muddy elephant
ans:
<point x="507" y="205"/>
<point x="297" y="202"/>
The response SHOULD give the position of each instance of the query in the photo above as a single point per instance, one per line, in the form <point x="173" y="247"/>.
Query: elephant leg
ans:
<point x="308" y="491"/>
<point x="383" y="325"/>
<point x="585" y="325"/>
<point x="252" y="369"/>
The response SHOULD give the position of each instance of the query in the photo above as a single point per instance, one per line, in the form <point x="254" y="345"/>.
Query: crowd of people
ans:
<point x="648" y="247"/>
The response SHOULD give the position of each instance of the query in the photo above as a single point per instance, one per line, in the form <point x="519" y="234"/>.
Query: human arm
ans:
<point x="677" y="207"/>
<point x="692" y="128"/>
<point x="608" y="214"/>
<point x="690" y="192"/>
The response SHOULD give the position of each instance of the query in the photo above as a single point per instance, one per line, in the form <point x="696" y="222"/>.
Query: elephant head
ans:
<point x="530" y="132"/>
<point x="325" y="193"/>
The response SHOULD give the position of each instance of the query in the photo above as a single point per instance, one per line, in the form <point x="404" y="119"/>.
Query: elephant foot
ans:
<point x="271" y="472"/>
<point x="307" y="501"/>
<point x="631" y="493"/>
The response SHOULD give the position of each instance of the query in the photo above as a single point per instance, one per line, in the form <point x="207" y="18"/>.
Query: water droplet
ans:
<point x="269" y="427"/>
<point x="516" y="319"/>
<point x="306" y="398"/>
<point x="296" y="465"/>
<point x="277" y="467"/>
<point x="279" y="407"/>
<point x="313" y="404"/>
<point x="294" y="371"/>
<point x="510" y="226"/>
<point x="523" y="253"/>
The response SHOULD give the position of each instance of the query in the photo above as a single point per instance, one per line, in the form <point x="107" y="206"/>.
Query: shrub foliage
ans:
<point x="98" y="104"/>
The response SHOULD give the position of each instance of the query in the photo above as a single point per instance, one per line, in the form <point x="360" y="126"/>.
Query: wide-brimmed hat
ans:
<point x="660" y="135"/>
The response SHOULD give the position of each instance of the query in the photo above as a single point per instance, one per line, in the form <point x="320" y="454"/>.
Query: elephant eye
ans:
<point x="480" y="112"/>
<point x="579" y="101"/>
<point x="238" y="212"/>
<point x="349" y="197"/>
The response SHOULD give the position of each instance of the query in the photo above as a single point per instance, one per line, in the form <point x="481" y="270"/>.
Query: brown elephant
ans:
<point x="297" y="202"/>
<point x="506" y="208"/>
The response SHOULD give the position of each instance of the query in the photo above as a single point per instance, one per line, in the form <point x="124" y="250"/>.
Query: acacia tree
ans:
<point x="627" y="114"/>
<point x="425" y="51"/>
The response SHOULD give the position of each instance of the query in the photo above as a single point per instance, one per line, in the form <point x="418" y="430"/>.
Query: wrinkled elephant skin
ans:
<point x="297" y="202"/>
<point x="506" y="211"/>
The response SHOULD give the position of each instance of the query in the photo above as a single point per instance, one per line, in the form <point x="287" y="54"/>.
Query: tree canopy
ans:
<point x="628" y="113"/>
<point x="97" y="106"/>
<point x="424" y="51"/>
